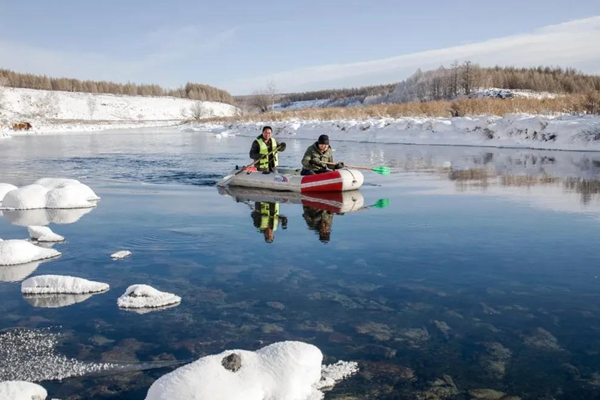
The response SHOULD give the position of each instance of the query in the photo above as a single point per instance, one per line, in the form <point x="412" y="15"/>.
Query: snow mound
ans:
<point x="119" y="255"/>
<point x="43" y="234"/>
<point x="50" y="193"/>
<point x="5" y="188"/>
<point x="14" y="252"/>
<point x="282" y="371"/>
<point x="56" y="300"/>
<point x="19" y="390"/>
<point x="44" y="217"/>
<point x="144" y="296"/>
<point x="17" y="273"/>
<point x="58" y="284"/>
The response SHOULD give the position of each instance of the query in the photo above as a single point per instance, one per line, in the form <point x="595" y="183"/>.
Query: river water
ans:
<point x="482" y="271"/>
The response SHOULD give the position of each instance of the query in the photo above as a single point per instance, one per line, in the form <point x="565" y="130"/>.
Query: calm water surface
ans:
<point x="482" y="273"/>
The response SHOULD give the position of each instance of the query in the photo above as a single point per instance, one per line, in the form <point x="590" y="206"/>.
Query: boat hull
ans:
<point x="290" y="180"/>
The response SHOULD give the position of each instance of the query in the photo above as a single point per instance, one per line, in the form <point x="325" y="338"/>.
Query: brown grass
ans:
<point x="569" y="104"/>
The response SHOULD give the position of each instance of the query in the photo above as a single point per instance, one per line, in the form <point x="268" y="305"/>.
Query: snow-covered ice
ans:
<point x="283" y="371"/>
<point x="563" y="132"/>
<point x="50" y="193"/>
<point x="13" y="252"/>
<point x="5" y="188"/>
<point x="119" y="255"/>
<point x="144" y="297"/>
<point x="30" y="355"/>
<point x="59" y="284"/>
<point x="43" y="234"/>
<point x="20" y="390"/>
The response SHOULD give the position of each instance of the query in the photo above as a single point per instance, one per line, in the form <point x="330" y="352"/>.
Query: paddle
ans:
<point x="228" y="178"/>
<point x="380" y="170"/>
<point x="381" y="203"/>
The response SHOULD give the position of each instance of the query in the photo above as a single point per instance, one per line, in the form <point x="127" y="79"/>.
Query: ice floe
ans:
<point x="14" y="252"/>
<point x="20" y="390"/>
<point x="119" y="255"/>
<point x="50" y="193"/>
<point x="43" y="234"/>
<point x="30" y="355"/>
<point x="60" y="284"/>
<point x="5" y="188"/>
<point x="146" y="297"/>
<point x="283" y="371"/>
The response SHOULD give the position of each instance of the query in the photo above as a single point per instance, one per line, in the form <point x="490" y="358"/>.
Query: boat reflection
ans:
<point x="318" y="208"/>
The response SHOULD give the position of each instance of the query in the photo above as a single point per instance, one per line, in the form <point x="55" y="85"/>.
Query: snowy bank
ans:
<point x="43" y="234"/>
<point x="14" y="252"/>
<point x="58" y="284"/>
<point x="519" y="131"/>
<point x="50" y="193"/>
<point x="282" y="371"/>
<point x="45" y="110"/>
<point x="19" y="390"/>
<point x="146" y="297"/>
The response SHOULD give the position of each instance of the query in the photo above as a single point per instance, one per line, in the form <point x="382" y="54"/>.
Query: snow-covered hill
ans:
<point x="54" y="110"/>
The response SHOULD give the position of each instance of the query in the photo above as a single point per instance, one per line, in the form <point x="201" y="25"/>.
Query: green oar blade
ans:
<point x="382" y="170"/>
<point x="382" y="203"/>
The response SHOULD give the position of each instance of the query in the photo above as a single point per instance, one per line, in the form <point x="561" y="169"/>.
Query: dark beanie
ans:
<point x="323" y="139"/>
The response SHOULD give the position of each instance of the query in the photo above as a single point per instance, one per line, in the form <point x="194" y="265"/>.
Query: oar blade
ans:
<point x="382" y="203"/>
<point x="382" y="170"/>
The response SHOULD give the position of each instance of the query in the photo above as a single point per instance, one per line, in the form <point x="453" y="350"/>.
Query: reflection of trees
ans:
<point x="586" y="187"/>
<point x="471" y="178"/>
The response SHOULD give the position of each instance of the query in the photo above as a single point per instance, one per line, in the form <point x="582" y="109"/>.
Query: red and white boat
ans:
<point x="290" y="180"/>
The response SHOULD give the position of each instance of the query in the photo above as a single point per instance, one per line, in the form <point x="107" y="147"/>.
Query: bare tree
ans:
<point x="92" y="105"/>
<point x="198" y="111"/>
<point x="3" y="82"/>
<point x="264" y="100"/>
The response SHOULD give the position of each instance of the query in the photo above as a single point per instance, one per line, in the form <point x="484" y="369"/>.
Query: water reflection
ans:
<point x="43" y="217"/>
<point x="318" y="208"/>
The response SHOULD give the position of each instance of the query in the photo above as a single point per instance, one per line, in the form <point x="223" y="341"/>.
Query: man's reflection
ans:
<point x="319" y="220"/>
<point x="266" y="219"/>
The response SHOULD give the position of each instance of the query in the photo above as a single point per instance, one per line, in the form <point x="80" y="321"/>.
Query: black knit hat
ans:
<point x="323" y="139"/>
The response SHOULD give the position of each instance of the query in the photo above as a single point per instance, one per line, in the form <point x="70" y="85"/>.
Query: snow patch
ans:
<point x="58" y="284"/>
<point x="43" y="234"/>
<point x="14" y="252"/>
<point x="50" y="193"/>
<point x="144" y="296"/>
<point x="282" y="371"/>
<point x="119" y="255"/>
<point x="20" y="390"/>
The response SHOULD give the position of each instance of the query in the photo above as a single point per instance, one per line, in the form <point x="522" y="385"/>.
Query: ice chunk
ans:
<point x="282" y="371"/>
<point x="59" y="284"/>
<point x="43" y="234"/>
<point x="119" y="255"/>
<point x="50" y="193"/>
<point x="334" y="373"/>
<point x="5" y="188"/>
<point x="144" y="296"/>
<point x="20" y="390"/>
<point x="13" y="252"/>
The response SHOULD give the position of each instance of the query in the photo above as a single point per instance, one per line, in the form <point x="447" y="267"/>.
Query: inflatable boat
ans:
<point x="290" y="180"/>
<point x="336" y="202"/>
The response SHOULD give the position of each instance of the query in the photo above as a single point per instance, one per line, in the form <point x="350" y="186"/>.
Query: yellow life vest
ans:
<point x="267" y="215"/>
<point x="263" y="164"/>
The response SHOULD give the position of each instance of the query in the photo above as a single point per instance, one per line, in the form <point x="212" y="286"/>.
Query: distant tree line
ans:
<point x="447" y="83"/>
<point x="194" y="91"/>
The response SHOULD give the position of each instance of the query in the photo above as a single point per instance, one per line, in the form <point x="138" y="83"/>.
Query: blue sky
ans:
<point x="242" y="45"/>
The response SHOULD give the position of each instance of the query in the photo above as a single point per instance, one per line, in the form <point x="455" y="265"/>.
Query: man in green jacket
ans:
<point x="316" y="156"/>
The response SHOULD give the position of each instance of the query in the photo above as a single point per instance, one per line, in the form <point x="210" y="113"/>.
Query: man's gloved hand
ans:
<point x="316" y="162"/>
<point x="339" y="165"/>
<point x="281" y="146"/>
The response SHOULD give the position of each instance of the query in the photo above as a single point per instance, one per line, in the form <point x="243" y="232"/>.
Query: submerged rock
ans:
<point x="378" y="331"/>
<point x="494" y="360"/>
<point x="441" y="388"/>
<point x="485" y="394"/>
<point x="543" y="340"/>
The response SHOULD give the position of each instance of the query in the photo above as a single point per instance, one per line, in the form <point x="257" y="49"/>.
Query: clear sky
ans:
<point x="304" y="45"/>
